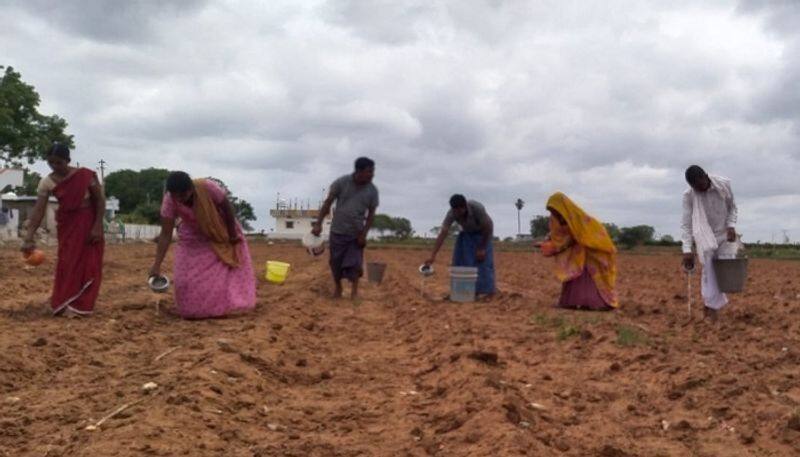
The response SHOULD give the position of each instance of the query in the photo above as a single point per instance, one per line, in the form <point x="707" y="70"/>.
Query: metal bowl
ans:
<point x="158" y="283"/>
<point x="426" y="270"/>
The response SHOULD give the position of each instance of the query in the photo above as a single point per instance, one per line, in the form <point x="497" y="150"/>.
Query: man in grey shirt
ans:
<point x="356" y="201"/>
<point x="474" y="244"/>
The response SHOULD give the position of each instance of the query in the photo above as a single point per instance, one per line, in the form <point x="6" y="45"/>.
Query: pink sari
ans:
<point x="204" y="285"/>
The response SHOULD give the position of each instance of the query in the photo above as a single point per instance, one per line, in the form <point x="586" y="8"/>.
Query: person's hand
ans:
<point x="362" y="240"/>
<point x="96" y="235"/>
<point x="480" y="254"/>
<point x="28" y="246"/>
<point x="731" y="234"/>
<point x="316" y="228"/>
<point x="688" y="262"/>
<point x="155" y="270"/>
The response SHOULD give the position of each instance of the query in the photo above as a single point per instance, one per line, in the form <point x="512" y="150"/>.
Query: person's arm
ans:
<point x="323" y="213"/>
<point x="34" y="221"/>
<point x="164" y="240"/>
<point x="99" y="202"/>
<point x="687" y="237"/>
<point x="443" y="232"/>
<point x="733" y="215"/>
<point x="362" y="238"/>
<point x="487" y="231"/>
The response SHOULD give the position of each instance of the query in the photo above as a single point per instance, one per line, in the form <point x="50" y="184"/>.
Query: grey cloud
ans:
<point x="109" y="21"/>
<point x="497" y="100"/>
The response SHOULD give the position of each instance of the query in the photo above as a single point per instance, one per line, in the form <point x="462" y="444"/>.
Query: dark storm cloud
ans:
<point x="110" y="21"/>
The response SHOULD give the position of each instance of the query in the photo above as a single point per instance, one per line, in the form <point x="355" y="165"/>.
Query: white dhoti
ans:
<point x="712" y="296"/>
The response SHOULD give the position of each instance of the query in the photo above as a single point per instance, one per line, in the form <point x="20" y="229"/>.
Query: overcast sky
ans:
<point x="607" y="101"/>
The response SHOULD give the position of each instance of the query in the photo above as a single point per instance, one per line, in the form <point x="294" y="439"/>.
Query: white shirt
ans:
<point x="721" y="212"/>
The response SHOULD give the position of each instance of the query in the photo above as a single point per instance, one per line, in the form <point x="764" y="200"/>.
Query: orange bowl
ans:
<point x="35" y="258"/>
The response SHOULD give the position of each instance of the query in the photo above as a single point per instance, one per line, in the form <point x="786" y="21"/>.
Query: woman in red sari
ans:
<point x="79" y="222"/>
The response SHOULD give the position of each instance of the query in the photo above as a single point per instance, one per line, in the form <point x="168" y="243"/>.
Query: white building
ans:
<point x="112" y="207"/>
<point x="10" y="177"/>
<point x="293" y="223"/>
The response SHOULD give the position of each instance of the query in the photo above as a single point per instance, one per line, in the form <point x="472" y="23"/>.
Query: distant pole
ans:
<point x="103" y="171"/>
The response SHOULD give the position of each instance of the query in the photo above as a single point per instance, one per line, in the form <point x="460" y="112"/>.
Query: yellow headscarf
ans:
<point x="582" y="244"/>
<point x="212" y="226"/>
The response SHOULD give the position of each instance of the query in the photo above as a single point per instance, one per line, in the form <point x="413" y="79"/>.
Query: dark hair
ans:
<point x="59" y="150"/>
<point x="458" y="201"/>
<point x="178" y="181"/>
<point x="695" y="174"/>
<point x="362" y="163"/>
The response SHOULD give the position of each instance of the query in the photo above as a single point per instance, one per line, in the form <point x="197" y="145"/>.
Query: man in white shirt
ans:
<point x="709" y="218"/>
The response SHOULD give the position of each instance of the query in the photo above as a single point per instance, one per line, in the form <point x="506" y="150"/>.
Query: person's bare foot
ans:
<point x="337" y="292"/>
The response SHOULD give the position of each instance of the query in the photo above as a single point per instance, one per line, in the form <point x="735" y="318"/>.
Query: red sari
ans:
<point x="80" y="264"/>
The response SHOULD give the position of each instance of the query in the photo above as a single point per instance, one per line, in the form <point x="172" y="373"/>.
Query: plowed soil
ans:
<point x="402" y="372"/>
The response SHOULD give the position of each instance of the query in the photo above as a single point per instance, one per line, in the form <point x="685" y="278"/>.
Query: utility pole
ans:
<point x="103" y="171"/>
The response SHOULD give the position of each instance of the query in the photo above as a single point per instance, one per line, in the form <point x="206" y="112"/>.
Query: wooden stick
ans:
<point x="116" y="411"/>
<point x="166" y="353"/>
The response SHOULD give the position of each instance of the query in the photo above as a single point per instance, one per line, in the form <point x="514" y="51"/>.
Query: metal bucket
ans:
<point x="731" y="274"/>
<point x="375" y="271"/>
<point x="462" y="283"/>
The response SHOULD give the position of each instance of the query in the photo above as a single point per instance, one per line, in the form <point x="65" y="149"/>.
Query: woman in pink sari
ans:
<point x="79" y="223"/>
<point x="213" y="273"/>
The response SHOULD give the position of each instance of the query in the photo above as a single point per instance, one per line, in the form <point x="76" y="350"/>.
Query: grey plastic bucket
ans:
<point x="462" y="283"/>
<point x="375" y="272"/>
<point x="731" y="274"/>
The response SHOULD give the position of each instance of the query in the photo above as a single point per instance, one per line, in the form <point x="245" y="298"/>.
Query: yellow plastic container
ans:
<point x="277" y="271"/>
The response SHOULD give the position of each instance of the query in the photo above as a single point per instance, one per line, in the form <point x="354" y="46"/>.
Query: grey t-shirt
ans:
<point x="352" y="204"/>
<point x="475" y="220"/>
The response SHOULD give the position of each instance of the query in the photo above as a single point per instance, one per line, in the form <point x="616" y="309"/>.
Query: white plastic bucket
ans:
<point x="462" y="283"/>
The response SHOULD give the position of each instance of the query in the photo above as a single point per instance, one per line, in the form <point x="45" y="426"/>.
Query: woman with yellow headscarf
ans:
<point x="213" y="272"/>
<point x="585" y="256"/>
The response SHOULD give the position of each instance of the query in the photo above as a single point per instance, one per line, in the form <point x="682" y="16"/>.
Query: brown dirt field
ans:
<point x="398" y="374"/>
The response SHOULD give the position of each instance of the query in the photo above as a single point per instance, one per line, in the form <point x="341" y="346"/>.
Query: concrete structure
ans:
<point x="22" y="208"/>
<point x="11" y="177"/>
<point x="112" y="208"/>
<point x="291" y="223"/>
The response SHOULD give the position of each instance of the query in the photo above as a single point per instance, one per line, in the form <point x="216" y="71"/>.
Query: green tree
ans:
<point x="134" y="188"/>
<point x="540" y="226"/>
<point x="25" y="133"/>
<point x="613" y="231"/>
<point x="636" y="236"/>
<point x="243" y="210"/>
<point x="149" y="212"/>
<point x="382" y="223"/>
<point x="401" y="227"/>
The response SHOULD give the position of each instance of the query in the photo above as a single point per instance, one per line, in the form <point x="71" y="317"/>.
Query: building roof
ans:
<point x="294" y="213"/>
